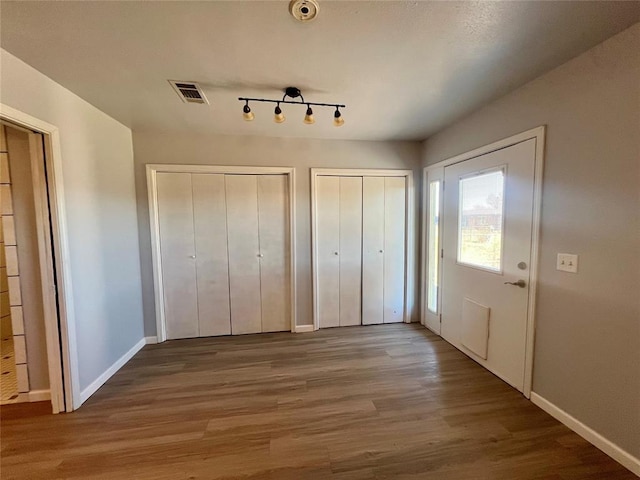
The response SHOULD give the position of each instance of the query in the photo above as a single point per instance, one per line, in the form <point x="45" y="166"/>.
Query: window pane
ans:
<point x="434" y="245"/>
<point x="480" y="220"/>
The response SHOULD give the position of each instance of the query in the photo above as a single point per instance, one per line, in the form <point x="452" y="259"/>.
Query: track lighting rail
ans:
<point x="336" y="105"/>
<point x="291" y="92"/>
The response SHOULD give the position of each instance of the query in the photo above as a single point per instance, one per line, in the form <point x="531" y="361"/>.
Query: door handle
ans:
<point x="192" y="256"/>
<point x="260" y="255"/>
<point x="519" y="283"/>
<point x="335" y="253"/>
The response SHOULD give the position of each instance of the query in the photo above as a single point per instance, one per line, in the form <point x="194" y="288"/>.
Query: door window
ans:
<point x="434" y="245"/>
<point x="481" y="219"/>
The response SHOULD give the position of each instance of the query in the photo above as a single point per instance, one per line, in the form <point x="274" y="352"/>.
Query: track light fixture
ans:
<point x="308" y="117"/>
<point x="247" y="114"/>
<point x="292" y="92"/>
<point x="278" y="116"/>
<point x="338" y="121"/>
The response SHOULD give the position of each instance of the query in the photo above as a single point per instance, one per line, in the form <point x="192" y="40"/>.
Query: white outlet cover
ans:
<point x="567" y="262"/>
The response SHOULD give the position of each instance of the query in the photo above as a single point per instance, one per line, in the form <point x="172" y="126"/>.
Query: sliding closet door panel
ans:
<point x="394" y="248"/>
<point x="212" y="261"/>
<point x="244" y="262"/>
<point x="327" y="250"/>
<point x="372" y="250"/>
<point x="273" y="219"/>
<point x="350" y="250"/>
<point x="177" y="252"/>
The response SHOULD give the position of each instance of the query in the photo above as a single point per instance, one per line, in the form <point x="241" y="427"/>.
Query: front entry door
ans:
<point x="488" y="213"/>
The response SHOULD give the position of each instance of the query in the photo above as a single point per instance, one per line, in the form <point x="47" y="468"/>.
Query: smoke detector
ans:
<point x="304" y="10"/>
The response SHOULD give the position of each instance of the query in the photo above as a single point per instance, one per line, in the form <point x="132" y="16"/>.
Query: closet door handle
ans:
<point x="192" y="256"/>
<point x="335" y="253"/>
<point x="381" y="251"/>
<point x="260" y="255"/>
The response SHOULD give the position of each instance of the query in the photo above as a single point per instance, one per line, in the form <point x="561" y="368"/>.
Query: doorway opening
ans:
<point x="362" y="246"/>
<point x="481" y="217"/>
<point x="32" y="360"/>
<point x="223" y="243"/>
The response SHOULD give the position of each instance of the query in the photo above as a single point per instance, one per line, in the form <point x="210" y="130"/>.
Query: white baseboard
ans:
<point x="607" y="446"/>
<point x="304" y="328"/>
<point x="98" y="382"/>
<point x="150" y="340"/>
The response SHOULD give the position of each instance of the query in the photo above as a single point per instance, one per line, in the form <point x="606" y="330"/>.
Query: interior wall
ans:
<point x="176" y="148"/>
<point x="24" y="213"/>
<point x="99" y="193"/>
<point x="587" y="345"/>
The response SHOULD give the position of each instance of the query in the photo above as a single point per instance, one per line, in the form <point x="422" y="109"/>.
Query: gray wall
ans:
<point x="303" y="154"/>
<point x="587" y="351"/>
<point x="99" y="193"/>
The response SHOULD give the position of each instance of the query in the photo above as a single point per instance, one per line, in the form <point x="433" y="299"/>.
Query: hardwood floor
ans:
<point x="377" y="402"/>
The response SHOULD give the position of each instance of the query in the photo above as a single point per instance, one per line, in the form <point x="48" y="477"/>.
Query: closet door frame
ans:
<point x="409" y="230"/>
<point x="152" y="190"/>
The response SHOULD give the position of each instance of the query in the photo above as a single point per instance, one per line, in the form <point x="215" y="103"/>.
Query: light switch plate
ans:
<point x="567" y="262"/>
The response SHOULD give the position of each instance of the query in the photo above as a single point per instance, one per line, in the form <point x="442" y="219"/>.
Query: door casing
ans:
<point x="62" y="354"/>
<point x="409" y="230"/>
<point x="436" y="171"/>
<point x="153" y="169"/>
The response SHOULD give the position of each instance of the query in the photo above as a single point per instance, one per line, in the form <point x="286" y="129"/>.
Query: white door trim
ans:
<point x="154" y="169"/>
<point x="434" y="175"/>
<point x="60" y="332"/>
<point x="409" y="230"/>
<point x="538" y="134"/>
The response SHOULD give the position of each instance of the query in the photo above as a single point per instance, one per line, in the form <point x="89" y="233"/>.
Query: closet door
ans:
<point x="373" y="215"/>
<point x="273" y="220"/>
<point x="328" y="250"/>
<point x="350" y="250"/>
<point x="212" y="265"/>
<point x="177" y="252"/>
<point x="394" y="248"/>
<point x="244" y="250"/>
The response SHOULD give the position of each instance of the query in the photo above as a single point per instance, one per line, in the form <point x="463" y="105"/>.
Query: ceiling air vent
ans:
<point x="189" y="92"/>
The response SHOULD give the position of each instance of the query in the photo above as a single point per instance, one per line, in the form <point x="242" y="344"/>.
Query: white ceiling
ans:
<point x="404" y="69"/>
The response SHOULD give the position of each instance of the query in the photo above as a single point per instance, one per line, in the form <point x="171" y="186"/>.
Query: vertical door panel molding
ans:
<point x="394" y="249"/>
<point x="436" y="172"/>
<point x="350" y="251"/>
<point x="212" y="260"/>
<point x="373" y="230"/>
<point x="273" y="223"/>
<point x="177" y="250"/>
<point x="327" y="259"/>
<point x="153" y="172"/>
<point x="244" y="254"/>
<point x="320" y="179"/>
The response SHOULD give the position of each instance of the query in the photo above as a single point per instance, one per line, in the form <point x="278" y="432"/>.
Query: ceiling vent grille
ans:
<point x="189" y="92"/>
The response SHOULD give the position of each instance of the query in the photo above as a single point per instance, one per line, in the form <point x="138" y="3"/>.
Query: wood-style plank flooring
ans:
<point x="378" y="402"/>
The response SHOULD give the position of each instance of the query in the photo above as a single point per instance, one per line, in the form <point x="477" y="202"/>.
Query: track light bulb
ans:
<point x="308" y="118"/>
<point x="278" y="116"/>
<point x="338" y="121"/>
<point x="247" y="114"/>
